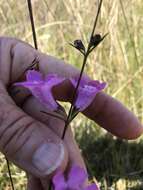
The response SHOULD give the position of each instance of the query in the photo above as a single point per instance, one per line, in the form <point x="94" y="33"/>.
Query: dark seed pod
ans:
<point x="95" y="40"/>
<point x="79" y="45"/>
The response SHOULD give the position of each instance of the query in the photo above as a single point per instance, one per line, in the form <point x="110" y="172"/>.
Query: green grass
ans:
<point x="118" y="60"/>
<point x="111" y="160"/>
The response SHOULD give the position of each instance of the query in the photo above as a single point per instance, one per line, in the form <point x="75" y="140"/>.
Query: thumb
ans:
<point x="27" y="142"/>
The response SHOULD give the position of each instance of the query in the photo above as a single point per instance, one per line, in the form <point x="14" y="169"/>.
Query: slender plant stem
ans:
<point x="96" y="18"/>
<point x="129" y="32"/>
<point x="74" y="96"/>
<point x="56" y="116"/>
<point x="82" y="70"/>
<point x="9" y="173"/>
<point x="32" y="23"/>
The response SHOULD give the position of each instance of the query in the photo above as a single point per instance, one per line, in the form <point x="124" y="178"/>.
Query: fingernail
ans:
<point x="48" y="157"/>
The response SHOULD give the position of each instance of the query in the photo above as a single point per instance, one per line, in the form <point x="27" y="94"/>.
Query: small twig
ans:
<point x="32" y="23"/>
<point x="34" y="63"/>
<point x="9" y="173"/>
<point x="96" y="18"/>
<point x="54" y="115"/>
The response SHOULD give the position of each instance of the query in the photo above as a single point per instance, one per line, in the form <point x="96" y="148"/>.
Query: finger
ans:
<point x="34" y="183"/>
<point x="37" y="183"/>
<point x="22" y="56"/>
<point x="7" y="45"/>
<point x="27" y="142"/>
<point x="7" y="65"/>
<point x="57" y="126"/>
<point x="106" y="111"/>
<point x="114" y="117"/>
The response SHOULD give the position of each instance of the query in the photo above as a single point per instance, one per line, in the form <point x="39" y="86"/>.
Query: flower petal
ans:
<point x="99" y="85"/>
<point x="53" y="80"/>
<point x="48" y="98"/>
<point x="42" y="92"/>
<point x="85" y="96"/>
<point x="87" y="91"/>
<point x="28" y="84"/>
<point x="84" y="80"/>
<point x="76" y="178"/>
<point x="92" y="187"/>
<point x="42" y="88"/>
<point x="59" y="181"/>
<point x="33" y="76"/>
<point x="51" y="76"/>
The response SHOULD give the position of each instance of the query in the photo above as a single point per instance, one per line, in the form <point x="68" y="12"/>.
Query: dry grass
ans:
<point x="118" y="60"/>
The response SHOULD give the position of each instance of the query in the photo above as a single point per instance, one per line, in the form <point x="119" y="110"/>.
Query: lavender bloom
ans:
<point x="87" y="91"/>
<point x="41" y="87"/>
<point x="75" y="180"/>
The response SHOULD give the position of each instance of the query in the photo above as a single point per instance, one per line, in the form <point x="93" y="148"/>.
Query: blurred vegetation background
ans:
<point x="117" y="164"/>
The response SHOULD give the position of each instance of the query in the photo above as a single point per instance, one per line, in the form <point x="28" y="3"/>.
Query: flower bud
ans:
<point x="95" y="40"/>
<point x="79" y="45"/>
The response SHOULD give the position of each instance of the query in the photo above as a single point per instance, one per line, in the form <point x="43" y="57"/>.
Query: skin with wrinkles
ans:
<point x="20" y="127"/>
<point x="16" y="143"/>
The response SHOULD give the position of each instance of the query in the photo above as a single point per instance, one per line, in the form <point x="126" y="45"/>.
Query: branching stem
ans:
<point x="82" y="70"/>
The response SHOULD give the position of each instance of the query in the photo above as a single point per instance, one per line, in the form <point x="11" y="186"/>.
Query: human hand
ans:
<point x="23" y="134"/>
<point x="104" y="110"/>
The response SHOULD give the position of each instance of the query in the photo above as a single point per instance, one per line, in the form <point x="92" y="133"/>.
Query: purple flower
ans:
<point x="75" y="180"/>
<point x="41" y="87"/>
<point x="87" y="91"/>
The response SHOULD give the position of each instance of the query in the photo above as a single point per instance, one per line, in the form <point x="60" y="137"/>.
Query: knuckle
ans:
<point x="15" y="128"/>
<point x="4" y="98"/>
<point x="24" y="57"/>
<point x="19" y="139"/>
